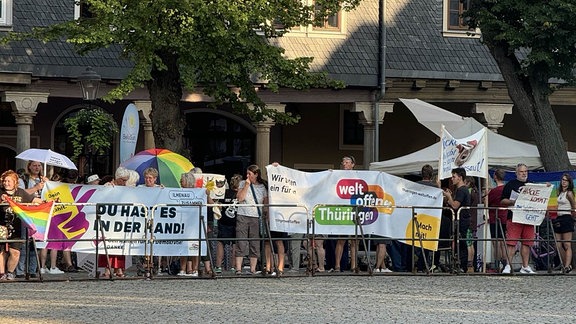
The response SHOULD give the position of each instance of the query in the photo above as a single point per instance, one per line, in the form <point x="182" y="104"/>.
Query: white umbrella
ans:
<point x="48" y="157"/>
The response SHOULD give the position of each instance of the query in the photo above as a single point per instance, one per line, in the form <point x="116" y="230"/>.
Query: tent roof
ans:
<point x="502" y="151"/>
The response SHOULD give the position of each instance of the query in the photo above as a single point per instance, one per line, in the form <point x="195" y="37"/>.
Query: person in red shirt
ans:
<point x="497" y="217"/>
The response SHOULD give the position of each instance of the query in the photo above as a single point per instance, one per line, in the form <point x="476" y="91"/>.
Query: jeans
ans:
<point x="33" y="259"/>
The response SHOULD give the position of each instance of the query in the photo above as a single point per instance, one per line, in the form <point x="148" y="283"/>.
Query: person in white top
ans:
<point x="564" y="223"/>
<point x="252" y="191"/>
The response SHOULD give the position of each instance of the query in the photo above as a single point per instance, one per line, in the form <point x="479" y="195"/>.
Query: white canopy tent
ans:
<point x="502" y="151"/>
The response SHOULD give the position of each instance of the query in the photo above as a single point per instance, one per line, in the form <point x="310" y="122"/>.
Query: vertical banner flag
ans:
<point x="470" y="153"/>
<point x="36" y="217"/>
<point x="129" y="132"/>
<point x="532" y="196"/>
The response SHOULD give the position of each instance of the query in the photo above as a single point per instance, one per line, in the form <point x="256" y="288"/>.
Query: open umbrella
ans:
<point x="170" y="165"/>
<point x="48" y="157"/>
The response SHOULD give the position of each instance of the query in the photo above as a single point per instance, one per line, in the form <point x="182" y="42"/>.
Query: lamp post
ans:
<point x="90" y="82"/>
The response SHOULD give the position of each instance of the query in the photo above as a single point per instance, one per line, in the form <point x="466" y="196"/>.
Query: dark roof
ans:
<point x="415" y="46"/>
<point x="55" y="59"/>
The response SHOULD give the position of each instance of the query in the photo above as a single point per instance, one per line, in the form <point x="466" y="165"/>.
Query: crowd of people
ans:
<point x="241" y="226"/>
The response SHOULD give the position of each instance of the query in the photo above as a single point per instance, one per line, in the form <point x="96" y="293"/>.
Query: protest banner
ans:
<point x="533" y="200"/>
<point x="333" y="199"/>
<point x="470" y="153"/>
<point x="124" y="211"/>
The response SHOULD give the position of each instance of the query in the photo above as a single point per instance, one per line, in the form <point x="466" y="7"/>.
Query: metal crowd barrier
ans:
<point x="415" y="240"/>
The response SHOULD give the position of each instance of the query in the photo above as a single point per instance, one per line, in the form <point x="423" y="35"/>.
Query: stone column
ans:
<point x="144" y="109"/>
<point x="263" y="142"/>
<point x="263" y="137"/>
<point x="493" y="114"/>
<point x="367" y="112"/>
<point x="24" y="105"/>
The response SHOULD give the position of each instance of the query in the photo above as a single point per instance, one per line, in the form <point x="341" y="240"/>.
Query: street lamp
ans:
<point x="89" y="81"/>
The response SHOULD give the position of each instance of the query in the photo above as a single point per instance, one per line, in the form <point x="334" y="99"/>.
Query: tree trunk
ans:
<point x="165" y="93"/>
<point x="530" y="97"/>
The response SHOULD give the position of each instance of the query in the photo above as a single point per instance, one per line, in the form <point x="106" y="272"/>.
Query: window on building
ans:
<point x="455" y="10"/>
<point x="332" y="22"/>
<point x="5" y="13"/>
<point x="82" y="10"/>
<point x="454" y="24"/>
<point x="334" y="26"/>
<point x="351" y="131"/>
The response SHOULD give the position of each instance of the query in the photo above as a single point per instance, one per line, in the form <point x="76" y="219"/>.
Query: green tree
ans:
<point x="533" y="43"/>
<point x="217" y="46"/>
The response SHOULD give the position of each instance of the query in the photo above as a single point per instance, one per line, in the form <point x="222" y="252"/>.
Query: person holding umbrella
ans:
<point x="33" y="180"/>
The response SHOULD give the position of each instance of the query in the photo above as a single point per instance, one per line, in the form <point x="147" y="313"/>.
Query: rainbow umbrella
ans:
<point x="170" y="165"/>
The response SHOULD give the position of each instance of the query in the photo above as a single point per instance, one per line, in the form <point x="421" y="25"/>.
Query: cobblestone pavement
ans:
<point x="292" y="299"/>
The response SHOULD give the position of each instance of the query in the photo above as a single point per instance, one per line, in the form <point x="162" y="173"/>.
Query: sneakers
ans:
<point x="377" y="270"/>
<point x="55" y="271"/>
<point x="386" y="270"/>
<point x="181" y="273"/>
<point x="8" y="276"/>
<point x="218" y="270"/>
<point x="192" y="274"/>
<point x="43" y="270"/>
<point x="507" y="269"/>
<point x="527" y="270"/>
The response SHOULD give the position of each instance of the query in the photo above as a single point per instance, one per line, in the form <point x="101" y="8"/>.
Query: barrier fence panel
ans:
<point x="175" y="230"/>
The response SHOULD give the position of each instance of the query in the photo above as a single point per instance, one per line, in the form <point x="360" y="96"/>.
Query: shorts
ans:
<point x="469" y="238"/>
<point x="563" y="224"/>
<point x="497" y="232"/>
<point x="379" y="240"/>
<point x="226" y="232"/>
<point x="515" y="231"/>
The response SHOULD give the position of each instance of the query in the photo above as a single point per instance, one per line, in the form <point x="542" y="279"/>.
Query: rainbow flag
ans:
<point x="36" y="217"/>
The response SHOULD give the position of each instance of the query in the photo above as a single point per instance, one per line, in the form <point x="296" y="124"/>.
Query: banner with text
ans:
<point x="470" y="153"/>
<point x="335" y="198"/>
<point x="123" y="212"/>
<point x="532" y="196"/>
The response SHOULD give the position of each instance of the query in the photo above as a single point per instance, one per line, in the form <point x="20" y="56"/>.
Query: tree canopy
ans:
<point x="218" y="47"/>
<point x="533" y="43"/>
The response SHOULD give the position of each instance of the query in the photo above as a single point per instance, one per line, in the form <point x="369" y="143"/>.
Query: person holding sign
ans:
<point x="564" y="223"/>
<point x="348" y="163"/>
<point x="516" y="231"/>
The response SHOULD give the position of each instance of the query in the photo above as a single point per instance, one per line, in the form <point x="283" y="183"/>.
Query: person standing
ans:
<point x="516" y="231"/>
<point x="348" y="163"/>
<point x="497" y="217"/>
<point x="457" y="200"/>
<point x="227" y="224"/>
<point x="251" y="191"/>
<point x="12" y="223"/>
<point x="32" y="181"/>
<point x="564" y="223"/>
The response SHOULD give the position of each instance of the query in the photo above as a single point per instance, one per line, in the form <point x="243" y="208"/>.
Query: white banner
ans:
<point x="470" y="153"/>
<point x="334" y="198"/>
<point x="532" y="196"/>
<point x="123" y="212"/>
